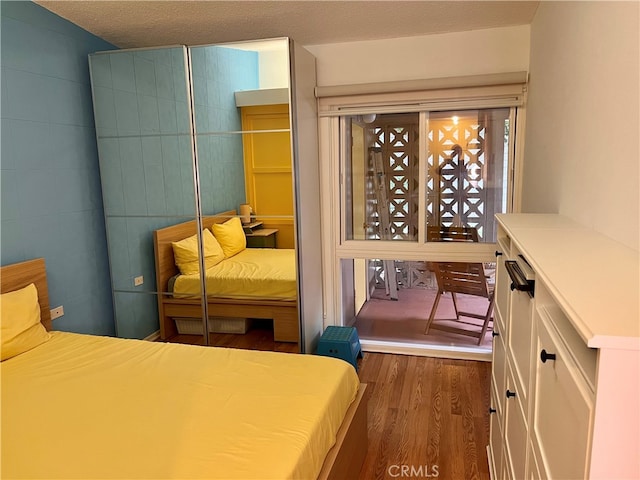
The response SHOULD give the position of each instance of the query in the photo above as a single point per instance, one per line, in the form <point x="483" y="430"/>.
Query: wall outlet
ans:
<point x="57" y="312"/>
<point x="137" y="281"/>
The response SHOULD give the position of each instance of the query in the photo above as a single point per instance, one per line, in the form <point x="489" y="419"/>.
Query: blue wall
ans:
<point x="51" y="201"/>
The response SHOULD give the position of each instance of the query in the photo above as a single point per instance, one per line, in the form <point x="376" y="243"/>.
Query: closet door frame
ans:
<point x="305" y="180"/>
<point x="306" y="185"/>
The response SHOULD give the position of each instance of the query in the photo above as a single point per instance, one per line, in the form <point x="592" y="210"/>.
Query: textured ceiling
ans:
<point x="129" y="24"/>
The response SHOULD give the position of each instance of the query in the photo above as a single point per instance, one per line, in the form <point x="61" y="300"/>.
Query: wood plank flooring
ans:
<point x="429" y="413"/>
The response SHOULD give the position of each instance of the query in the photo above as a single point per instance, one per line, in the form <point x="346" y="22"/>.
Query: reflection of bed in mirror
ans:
<point x="109" y="413"/>
<point x="282" y="308"/>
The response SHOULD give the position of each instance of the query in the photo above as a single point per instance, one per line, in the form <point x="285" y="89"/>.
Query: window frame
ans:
<point x="332" y="128"/>
<point x="420" y="246"/>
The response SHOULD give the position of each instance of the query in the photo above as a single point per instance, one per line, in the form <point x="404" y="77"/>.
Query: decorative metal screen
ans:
<point x="397" y="137"/>
<point x="465" y="161"/>
<point x="410" y="274"/>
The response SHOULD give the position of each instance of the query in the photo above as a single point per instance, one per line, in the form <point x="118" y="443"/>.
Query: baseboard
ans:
<point x="154" y="337"/>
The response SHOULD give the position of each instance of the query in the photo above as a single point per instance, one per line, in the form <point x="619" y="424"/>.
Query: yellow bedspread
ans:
<point x="265" y="273"/>
<point x="88" y="407"/>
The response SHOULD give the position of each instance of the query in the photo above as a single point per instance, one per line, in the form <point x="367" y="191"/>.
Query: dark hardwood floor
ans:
<point x="429" y="414"/>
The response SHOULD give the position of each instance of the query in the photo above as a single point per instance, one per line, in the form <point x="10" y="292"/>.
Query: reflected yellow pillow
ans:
<point x="185" y="253"/>
<point x="21" y="329"/>
<point x="231" y="236"/>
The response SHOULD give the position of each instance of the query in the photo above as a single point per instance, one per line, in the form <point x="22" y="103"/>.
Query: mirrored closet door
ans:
<point x="187" y="137"/>
<point x="142" y="116"/>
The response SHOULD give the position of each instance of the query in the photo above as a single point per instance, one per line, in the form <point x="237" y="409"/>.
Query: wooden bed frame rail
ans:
<point x="286" y="326"/>
<point x="345" y="459"/>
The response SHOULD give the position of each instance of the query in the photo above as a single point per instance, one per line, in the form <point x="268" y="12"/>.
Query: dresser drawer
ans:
<point x="562" y="408"/>
<point x="585" y="358"/>
<point x="496" y="445"/>
<point x="520" y="339"/>
<point x="502" y="292"/>
<point x="498" y="371"/>
<point x="515" y="429"/>
<point x="533" y="468"/>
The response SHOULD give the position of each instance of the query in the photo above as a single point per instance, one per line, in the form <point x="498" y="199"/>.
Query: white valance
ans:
<point x="475" y="91"/>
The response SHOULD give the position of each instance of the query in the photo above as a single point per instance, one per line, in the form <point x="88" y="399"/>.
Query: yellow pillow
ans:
<point x="20" y="321"/>
<point x="231" y="236"/>
<point x="185" y="253"/>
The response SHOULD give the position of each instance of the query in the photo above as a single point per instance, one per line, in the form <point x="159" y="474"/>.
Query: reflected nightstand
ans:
<point x="258" y="237"/>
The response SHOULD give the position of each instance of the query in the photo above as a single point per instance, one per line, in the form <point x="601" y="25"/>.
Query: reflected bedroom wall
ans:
<point x="218" y="72"/>
<point x="142" y="118"/>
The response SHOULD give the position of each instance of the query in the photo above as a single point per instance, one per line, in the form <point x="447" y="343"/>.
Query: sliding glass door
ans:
<point x="420" y="190"/>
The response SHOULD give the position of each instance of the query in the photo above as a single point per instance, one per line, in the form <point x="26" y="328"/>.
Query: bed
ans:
<point x="81" y="406"/>
<point x="254" y="273"/>
<point x="283" y="311"/>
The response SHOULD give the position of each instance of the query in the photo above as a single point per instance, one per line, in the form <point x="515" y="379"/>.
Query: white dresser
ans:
<point x="565" y="393"/>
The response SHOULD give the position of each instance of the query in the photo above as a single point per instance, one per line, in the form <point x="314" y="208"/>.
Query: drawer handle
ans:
<point x="492" y="410"/>
<point x="498" y="253"/>
<point x="510" y="394"/>
<point x="544" y="356"/>
<point x="518" y="279"/>
<point x="495" y="334"/>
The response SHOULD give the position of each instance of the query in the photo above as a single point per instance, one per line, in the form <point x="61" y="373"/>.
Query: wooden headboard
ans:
<point x="19" y="275"/>
<point x="165" y="263"/>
